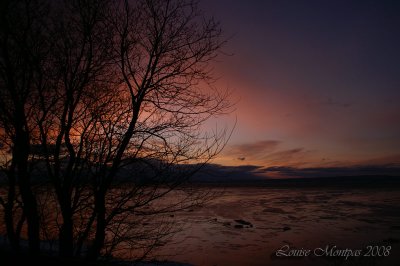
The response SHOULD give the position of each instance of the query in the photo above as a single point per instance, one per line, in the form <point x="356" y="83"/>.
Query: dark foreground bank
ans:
<point x="11" y="259"/>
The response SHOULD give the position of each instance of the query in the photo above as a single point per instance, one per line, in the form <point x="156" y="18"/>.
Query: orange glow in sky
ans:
<point x="314" y="91"/>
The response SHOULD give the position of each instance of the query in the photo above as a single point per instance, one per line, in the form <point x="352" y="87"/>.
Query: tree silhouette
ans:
<point x="21" y="56"/>
<point x="105" y="101"/>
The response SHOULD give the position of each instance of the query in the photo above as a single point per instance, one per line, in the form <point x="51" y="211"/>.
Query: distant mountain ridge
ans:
<point x="148" y="172"/>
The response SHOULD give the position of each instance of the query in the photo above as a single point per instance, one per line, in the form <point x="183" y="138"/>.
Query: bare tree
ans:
<point x="22" y="52"/>
<point x="116" y="120"/>
<point x="80" y="55"/>
<point x="163" y="50"/>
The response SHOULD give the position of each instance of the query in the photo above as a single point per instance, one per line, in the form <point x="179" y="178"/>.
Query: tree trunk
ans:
<point x="8" y="214"/>
<point x="20" y="155"/>
<point x="84" y="235"/>
<point x="32" y="217"/>
<point x="66" y="232"/>
<point x="98" y="241"/>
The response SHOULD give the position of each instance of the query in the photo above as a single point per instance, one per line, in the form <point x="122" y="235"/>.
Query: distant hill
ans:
<point x="371" y="176"/>
<point x="342" y="181"/>
<point x="152" y="171"/>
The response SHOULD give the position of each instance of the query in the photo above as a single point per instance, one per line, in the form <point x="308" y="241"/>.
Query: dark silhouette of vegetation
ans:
<point x="102" y="107"/>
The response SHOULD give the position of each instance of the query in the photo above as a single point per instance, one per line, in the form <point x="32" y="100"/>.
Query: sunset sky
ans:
<point x="318" y="82"/>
